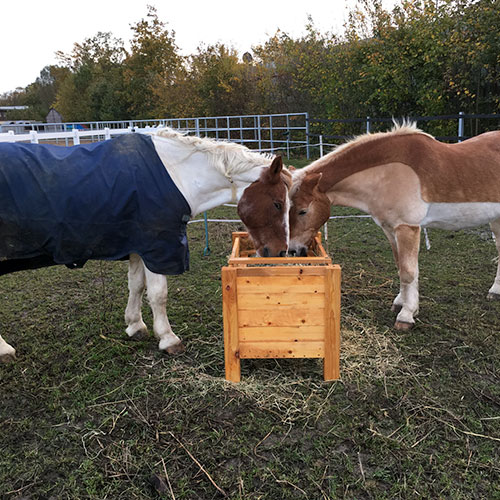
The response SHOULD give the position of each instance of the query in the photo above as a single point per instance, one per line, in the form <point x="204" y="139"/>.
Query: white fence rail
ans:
<point x="276" y="132"/>
<point x="74" y="135"/>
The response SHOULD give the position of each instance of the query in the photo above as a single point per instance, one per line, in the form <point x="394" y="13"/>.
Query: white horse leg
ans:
<point x="397" y="304"/>
<point x="136" y="328"/>
<point x="494" y="291"/>
<point x="157" y="295"/>
<point x="408" y="242"/>
<point x="7" y="352"/>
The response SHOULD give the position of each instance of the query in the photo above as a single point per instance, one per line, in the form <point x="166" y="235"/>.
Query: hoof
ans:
<point x="176" y="349"/>
<point x="493" y="296"/>
<point x="139" y="335"/>
<point x="7" y="358"/>
<point x="396" y="308"/>
<point x="403" y="325"/>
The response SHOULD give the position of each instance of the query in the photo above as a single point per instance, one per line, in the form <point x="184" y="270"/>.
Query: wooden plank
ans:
<point x="285" y="284"/>
<point x="278" y="317"/>
<point x="252" y="350"/>
<point x="282" y="333"/>
<point x="261" y="301"/>
<point x="230" y="320"/>
<point x="312" y="260"/>
<point x="278" y="271"/>
<point x="236" y="248"/>
<point x="331" y="364"/>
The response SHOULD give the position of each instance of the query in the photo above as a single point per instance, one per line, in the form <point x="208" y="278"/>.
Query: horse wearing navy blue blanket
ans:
<point x="129" y="197"/>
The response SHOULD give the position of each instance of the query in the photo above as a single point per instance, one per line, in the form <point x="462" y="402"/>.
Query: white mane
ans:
<point x="227" y="157"/>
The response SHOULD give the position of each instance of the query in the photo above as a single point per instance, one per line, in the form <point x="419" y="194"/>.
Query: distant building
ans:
<point x="6" y="109"/>
<point x="54" y="117"/>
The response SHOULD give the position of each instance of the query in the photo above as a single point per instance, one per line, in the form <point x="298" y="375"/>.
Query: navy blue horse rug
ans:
<point x="105" y="200"/>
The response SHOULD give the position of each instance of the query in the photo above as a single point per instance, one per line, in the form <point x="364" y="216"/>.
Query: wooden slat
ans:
<point x="262" y="301"/>
<point x="230" y="320"/>
<point x="331" y="368"/>
<point x="236" y="248"/>
<point x="238" y="261"/>
<point x="278" y="317"/>
<point x="281" y="350"/>
<point x="283" y="284"/>
<point x="282" y="333"/>
<point x="277" y="271"/>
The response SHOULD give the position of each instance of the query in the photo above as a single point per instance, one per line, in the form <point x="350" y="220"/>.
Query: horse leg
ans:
<point x="7" y="352"/>
<point x="136" y="328"/>
<point x="397" y="304"/>
<point x="408" y="242"/>
<point x="494" y="291"/>
<point x="157" y="295"/>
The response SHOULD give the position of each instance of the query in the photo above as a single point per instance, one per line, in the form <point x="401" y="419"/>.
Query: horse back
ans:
<point x="465" y="172"/>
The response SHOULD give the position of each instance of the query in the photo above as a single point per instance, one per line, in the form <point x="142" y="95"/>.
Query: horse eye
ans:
<point x="278" y="205"/>
<point x="303" y="212"/>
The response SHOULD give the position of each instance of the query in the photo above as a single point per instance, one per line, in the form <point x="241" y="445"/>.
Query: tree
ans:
<point x="93" y="90"/>
<point x="151" y="65"/>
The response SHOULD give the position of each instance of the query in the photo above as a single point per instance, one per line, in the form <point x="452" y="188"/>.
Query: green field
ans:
<point x="85" y="413"/>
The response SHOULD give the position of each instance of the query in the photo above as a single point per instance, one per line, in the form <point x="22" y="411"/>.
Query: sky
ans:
<point x="31" y="31"/>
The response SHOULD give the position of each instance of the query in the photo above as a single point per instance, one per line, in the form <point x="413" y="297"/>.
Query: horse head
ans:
<point x="309" y="210"/>
<point x="264" y="209"/>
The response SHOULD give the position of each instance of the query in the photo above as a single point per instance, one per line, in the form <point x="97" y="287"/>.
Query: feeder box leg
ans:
<point x="230" y="318"/>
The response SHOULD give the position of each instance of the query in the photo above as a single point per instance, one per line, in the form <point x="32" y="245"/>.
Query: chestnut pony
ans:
<point x="405" y="179"/>
<point x="264" y="209"/>
<point x="205" y="172"/>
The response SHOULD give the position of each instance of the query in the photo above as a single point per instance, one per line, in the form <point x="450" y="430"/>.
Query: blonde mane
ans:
<point x="406" y="127"/>
<point x="227" y="157"/>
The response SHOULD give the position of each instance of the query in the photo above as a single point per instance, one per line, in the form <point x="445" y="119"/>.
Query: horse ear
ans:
<point x="311" y="182"/>
<point x="275" y="169"/>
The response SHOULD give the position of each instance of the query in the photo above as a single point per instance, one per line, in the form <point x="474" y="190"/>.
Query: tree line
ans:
<point x="421" y="58"/>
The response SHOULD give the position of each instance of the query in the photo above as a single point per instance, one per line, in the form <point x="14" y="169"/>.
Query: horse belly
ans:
<point x="456" y="216"/>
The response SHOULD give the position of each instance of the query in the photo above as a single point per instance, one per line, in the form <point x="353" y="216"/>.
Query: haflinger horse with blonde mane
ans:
<point x="406" y="180"/>
<point x="131" y="197"/>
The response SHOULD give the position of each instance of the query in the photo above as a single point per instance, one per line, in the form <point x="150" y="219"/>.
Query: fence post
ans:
<point x="460" y="126"/>
<point x="107" y="133"/>
<point x="271" y="133"/>
<point x="206" y="250"/>
<point x="76" y="138"/>
<point x="34" y="137"/>
<point x="11" y="136"/>
<point x="307" y="136"/>
<point x="320" y="145"/>
<point x="258" y="133"/>
<point x="197" y="125"/>
<point x="368" y="125"/>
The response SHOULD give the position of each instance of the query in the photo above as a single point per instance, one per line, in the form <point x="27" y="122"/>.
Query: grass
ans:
<point x="84" y="413"/>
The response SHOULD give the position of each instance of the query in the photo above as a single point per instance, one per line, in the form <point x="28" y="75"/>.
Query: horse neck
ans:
<point x="202" y="185"/>
<point x="333" y="171"/>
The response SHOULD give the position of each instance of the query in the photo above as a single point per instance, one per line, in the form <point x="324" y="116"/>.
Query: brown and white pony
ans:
<point x="405" y="179"/>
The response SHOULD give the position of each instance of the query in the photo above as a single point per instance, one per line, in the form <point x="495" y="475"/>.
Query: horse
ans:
<point x="128" y="198"/>
<point x="406" y="180"/>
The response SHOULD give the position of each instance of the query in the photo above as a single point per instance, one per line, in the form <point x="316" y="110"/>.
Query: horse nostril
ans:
<point x="303" y="252"/>
<point x="265" y="253"/>
<point x="283" y="253"/>
<point x="293" y="253"/>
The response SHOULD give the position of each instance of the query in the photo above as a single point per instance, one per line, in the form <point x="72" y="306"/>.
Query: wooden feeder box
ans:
<point x="280" y="307"/>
